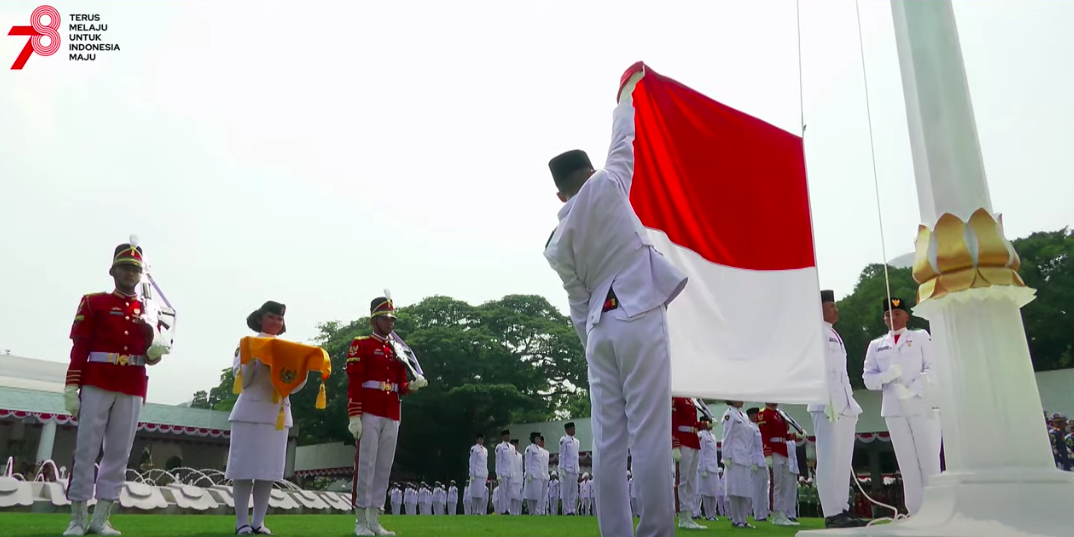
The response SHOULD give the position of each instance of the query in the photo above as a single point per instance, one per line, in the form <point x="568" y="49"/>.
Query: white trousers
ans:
<point x="708" y="503"/>
<point x="107" y="422"/>
<point x="781" y="481"/>
<point x="397" y="508"/>
<point x="452" y="506"/>
<point x="478" y="499"/>
<point x="761" y="507"/>
<point x="411" y="508"/>
<point x="835" y="455"/>
<point x="916" y="442"/>
<point x="376" y="453"/>
<point x="568" y="489"/>
<point x="688" y="478"/>
<point x="630" y="389"/>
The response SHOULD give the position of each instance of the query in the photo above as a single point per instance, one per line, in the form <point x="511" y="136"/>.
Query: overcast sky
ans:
<point x="315" y="153"/>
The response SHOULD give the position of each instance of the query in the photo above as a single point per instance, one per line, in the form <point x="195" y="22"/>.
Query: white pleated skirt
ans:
<point x="738" y="480"/>
<point x="258" y="451"/>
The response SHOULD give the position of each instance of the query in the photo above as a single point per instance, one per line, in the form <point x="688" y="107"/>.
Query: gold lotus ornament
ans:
<point x="956" y="255"/>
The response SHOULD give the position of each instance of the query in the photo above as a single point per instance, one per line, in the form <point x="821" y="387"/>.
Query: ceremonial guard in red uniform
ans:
<point x="105" y="389"/>
<point x="376" y="379"/>
<point x="774" y="436"/>
<point x="686" y="451"/>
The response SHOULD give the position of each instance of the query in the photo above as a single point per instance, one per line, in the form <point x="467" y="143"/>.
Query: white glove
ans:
<point x="754" y="467"/>
<point x="418" y="383"/>
<point x="628" y="89"/>
<point x="71" y="401"/>
<point x="829" y="412"/>
<point x="155" y="352"/>
<point x="355" y="427"/>
<point x="676" y="454"/>
<point x="902" y="392"/>
<point x="704" y="475"/>
<point x="891" y="374"/>
<point x="529" y="478"/>
<point x="499" y="479"/>
<point x="768" y="461"/>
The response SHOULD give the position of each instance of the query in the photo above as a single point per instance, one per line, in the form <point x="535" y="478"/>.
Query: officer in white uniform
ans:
<point x="739" y="458"/>
<point x="900" y="364"/>
<point x="708" y="468"/>
<point x="479" y="473"/>
<point x="834" y="424"/>
<point x="452" y="498"/>
<point x="531" y="487"/>
<point x="515" y="490"/>
<point x="761" y="481"/>
<point x="568" y="469"/>
<point x="396" y="499"/>
<point x="619" y="287"/>
<point x="258" y="451"/>
<point x="505" y="464"/>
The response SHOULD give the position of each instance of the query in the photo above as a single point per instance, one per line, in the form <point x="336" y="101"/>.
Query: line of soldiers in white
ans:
<point x="422" y="500"/>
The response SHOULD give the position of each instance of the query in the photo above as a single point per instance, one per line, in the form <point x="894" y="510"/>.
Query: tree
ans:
<point x="1047" y="265"/>
<point x="861" y="313"/>
<point x="513" y="360"/>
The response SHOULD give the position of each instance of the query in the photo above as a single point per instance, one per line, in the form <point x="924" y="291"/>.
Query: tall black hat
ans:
<point x="896" y="303"/>
<point x="564" y="164"/>
<point x="253" y="321"/>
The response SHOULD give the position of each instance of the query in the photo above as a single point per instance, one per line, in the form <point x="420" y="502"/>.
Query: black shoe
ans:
<point x="239" y="530"/>
<point x="844" y="520"/>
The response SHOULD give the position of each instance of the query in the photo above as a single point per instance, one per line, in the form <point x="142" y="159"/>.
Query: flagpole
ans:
<point x="1000" y="478"/>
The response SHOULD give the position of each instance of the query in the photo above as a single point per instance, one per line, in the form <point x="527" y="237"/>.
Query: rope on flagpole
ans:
<point x="872" y="153"/>
<point x="880" y="216"/>
<point x="801" y="86"/>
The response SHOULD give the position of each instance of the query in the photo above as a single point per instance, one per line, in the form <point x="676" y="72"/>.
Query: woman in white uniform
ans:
<point x="258" y="449"/>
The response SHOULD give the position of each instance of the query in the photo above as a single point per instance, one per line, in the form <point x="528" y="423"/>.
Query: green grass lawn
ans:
<point x="52" y="525"/>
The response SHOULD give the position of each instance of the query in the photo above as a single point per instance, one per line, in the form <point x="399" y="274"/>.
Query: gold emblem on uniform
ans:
<point x="895" y="302"/>
<point x="122" y="359"/>
<point x="288" y="375"/>
<point x="909" y="343"/>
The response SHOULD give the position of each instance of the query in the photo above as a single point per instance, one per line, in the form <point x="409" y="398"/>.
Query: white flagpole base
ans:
<point x="1004" y="502"/>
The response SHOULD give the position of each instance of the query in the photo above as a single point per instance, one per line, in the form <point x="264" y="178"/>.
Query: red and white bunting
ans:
<point x="65" y="419"/>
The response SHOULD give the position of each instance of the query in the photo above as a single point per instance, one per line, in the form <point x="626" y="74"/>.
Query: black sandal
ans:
<point x="262" y="531"/>
<point x="240" y="528"/>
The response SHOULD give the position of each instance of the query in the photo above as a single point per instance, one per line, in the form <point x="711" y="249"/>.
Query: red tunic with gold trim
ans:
<point x="684" y="424"/>
<point x="109" y="323"/>
<point x="375" y="378"/>
<point x="774" y="433"/>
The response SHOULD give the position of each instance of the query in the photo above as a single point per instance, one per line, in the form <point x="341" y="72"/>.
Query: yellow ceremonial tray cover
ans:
<point x="290" y="362"/>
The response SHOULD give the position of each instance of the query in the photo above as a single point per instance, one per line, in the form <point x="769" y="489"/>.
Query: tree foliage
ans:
<point x="513" y="360"/>
<point x="1047" y="266"/>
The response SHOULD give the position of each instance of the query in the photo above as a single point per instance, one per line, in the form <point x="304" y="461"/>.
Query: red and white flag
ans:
<point x="723" y="196"/>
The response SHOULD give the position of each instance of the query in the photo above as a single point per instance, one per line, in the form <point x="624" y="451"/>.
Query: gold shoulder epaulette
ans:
<point x="359" y="338"/>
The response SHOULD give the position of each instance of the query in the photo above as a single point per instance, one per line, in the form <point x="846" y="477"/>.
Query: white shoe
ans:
<point x="79" y="520"/>
<point x="100" y="524"/>
<point x="779" y="519"/>
<point x="373" y="518"/>
<point x="361" y="526"/>
<point x="686" y="522"/>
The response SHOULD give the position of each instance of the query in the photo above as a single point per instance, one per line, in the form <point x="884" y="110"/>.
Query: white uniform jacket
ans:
<point x="259" y="402"/>
<point x="913" y="354"/>
<point x="840" y="392"/>
<point x="601" y="241"/>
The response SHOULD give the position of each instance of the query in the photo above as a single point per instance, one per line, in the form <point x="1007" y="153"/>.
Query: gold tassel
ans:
<point x="275" y="397"/>
<point x="322" y="398"/>
<point x="280" y="419"/>
<point x="237" y="387"/>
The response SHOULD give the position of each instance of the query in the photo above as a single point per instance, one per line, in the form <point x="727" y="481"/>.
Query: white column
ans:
<point x="1000" y="478"/>
<point x="45" y="445"/>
